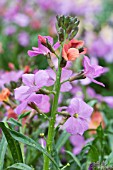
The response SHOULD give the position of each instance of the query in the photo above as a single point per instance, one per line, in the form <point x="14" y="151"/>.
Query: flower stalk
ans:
<point x="53" y="116"/>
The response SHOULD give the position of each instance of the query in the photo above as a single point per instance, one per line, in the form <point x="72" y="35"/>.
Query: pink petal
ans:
<point x="97" y="82"/>
<point x="41" y="78"/>
<point x="28" y="79"/>
<point x="65" y="87"/>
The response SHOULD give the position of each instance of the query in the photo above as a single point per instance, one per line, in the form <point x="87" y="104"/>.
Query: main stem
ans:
<point x="53" y="116"/>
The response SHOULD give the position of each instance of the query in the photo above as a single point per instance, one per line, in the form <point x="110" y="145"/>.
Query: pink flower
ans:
<point x="32" y="83"/>
<point x="41" y="48"/>
<point x="40" y="100"/>
<point x="7" y="77"/>
<point x="80" y="113"/>
<point x="78" y="142"/>
<point x="64" y="76"/>
<point x="27" y="92"/>
<point x="93" y="71"/>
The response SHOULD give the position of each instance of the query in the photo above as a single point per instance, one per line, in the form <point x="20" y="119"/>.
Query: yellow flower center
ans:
<point x="76" y="115"/>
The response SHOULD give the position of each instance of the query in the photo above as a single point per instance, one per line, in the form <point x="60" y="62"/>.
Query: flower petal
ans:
<point x="97" y="82"/>
<point x="65" y="74"/>
<point x="41" y="78"/>
<point x="71" y="126"/>
<point x="28" y="79"/>
<point x="65" y="87"/>
<point x="73" y="107"/>
<point x="22" y="92"/>
<point x="85" y="110"/>
<point x="56" y="46"/>
<point x="20" y="108"/>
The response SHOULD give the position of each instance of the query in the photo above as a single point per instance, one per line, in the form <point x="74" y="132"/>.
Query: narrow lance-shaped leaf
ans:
<point x="13" y="144"/>
<point x="14" y="122"/>
<point x="74" y="158"/>
<point x="62" y="140"/>
<point x="109" y="160"/>
<point x="3" y="147"/>
<point x="28" y="141"/>
<point x="20" y="166"/>
<point x="24" y="115"/>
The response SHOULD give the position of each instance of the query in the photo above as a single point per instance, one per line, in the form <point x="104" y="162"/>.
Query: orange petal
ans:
<point x="72" y="54"/>
<point x="4" y="94"/>
<point x="76" y="43"/>
<point x="64" y="51"/>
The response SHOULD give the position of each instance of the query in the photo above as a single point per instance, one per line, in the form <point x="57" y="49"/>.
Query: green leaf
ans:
<point x="93" y="154"/>
<point x="92" y="102"/>
<point x="20" y="166"/>
<point x="3" y="147"/>
<point x="14" y="122"/>
<point x="13" y="144"/>
<point x="55" y="156"/>
<point x="28" y="141"/>
<point x="109" y="160"/>
<point x="62" y="140"/>
<point x="24" y="115"/>
<point x="74" y="158"/>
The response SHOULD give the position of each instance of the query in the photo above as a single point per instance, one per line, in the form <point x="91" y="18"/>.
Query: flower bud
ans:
<point x="66" y="21"/>
<point x="60" y="20"/>
<point x="77" y="76"/>
<point x="42" y="39"/>
<point x="50" y="62"/>
<point x="61" y="34"/>
<point x="73" y="33"/>
<point x="69" y="28"/>
<point x="48" y="45"/>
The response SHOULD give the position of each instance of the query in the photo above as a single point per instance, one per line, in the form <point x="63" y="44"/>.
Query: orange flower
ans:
<point x="73" y="49"/>
<point x="96" y="119"/>
<point x="4" y="95"/>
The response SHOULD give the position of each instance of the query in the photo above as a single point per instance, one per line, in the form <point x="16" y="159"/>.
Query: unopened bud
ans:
<point x="66" y="21"/>
<point x="69" y="28"/>
<point x="61" y="34"/>
<point x="48" y="45"/>
<point x="76" y="24"/>
<point x="77" y="76"/>
<point x="60" y="20"/>
<point x="73" y="33"/>
<point x="50" y="62"/>
<point x="42" y="39"/>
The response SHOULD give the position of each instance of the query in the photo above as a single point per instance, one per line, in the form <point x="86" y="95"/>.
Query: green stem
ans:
<point x="53" y="116"/>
